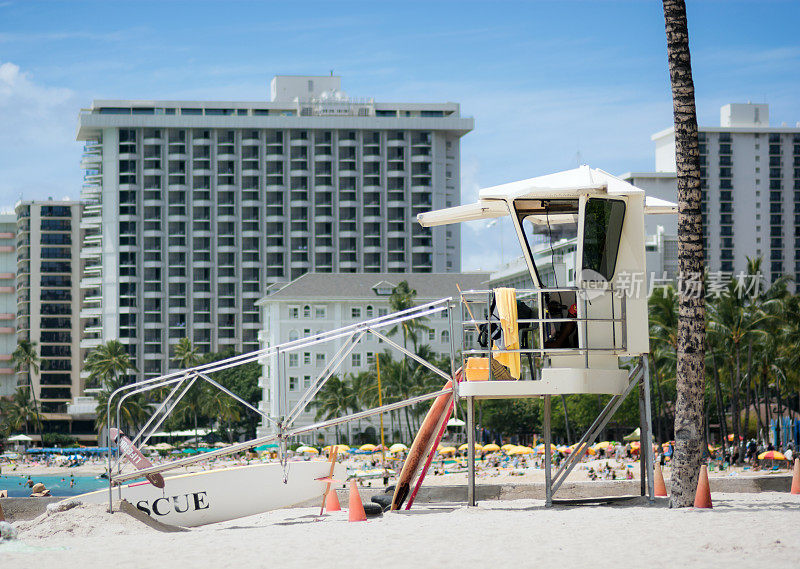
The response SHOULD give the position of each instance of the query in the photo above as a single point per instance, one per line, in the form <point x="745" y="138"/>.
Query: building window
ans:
<point x="370" y="358"/>
<point x="320" y="360"/>
<point x="293" y="361"/>
<point x="369" y="311"/>
<point x="445" y="336"/>
<point x="431" y="335"/>
<point x="319" y="312"/>
<point x="306" y="332"/>
<point x="306" y="381"/>
<point x="307" y="358"/>
<point x="355" y="312"/>
<point x="293" y="335"/>
<point x="294" y="312"/>
<point x="292" y="383"/>
<point x="306" y="311"/>
<point x="355" y="360"/>
<point x="383" y="311"/>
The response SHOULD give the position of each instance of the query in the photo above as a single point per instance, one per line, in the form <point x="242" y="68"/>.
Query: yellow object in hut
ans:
<point x="506" y="299"/>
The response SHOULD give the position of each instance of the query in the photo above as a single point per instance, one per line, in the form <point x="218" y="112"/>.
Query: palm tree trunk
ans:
<point x="723" y="424"/>
<point x="757" y="405"/>
<point x="767" y="404"/>
<point x="735" y="408"/>
<point x="691" y="306"/>
<point x="780" y="412"/>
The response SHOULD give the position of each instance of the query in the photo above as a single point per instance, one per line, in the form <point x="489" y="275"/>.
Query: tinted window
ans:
<point x="601" y="233"/>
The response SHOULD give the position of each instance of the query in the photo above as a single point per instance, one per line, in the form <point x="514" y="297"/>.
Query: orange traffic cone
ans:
<point x="356" y="513"/>
<point x="796" y="477"/>
<point x="332" y="501"/>
<point x="658" y="479"/>
<point x="702" y="497"/>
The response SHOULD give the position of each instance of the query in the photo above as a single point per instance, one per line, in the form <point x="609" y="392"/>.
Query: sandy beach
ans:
<point x="743" y="530"/>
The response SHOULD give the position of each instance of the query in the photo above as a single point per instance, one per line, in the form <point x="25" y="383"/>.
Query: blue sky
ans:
<point x="550" y="84"/>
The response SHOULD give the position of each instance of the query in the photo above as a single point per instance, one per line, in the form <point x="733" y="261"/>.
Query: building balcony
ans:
<point x="90" y="343"/>
<point x="91" y="283"/>
<point x="395" y="142"/>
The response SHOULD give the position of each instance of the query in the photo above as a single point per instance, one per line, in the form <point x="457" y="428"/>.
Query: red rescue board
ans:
<point x="421" y="446"/>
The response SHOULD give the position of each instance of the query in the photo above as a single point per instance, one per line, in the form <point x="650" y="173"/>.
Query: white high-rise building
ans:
<point x="751" y="189"/>
<point x="194" y="207"/>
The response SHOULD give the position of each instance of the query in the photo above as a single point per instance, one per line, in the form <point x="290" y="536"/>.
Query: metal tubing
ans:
<point x="324" y="376"/>
<point x="413" y="356"/>
<point x="610" y="414"/>
<point x="548" y="455"/>
<point x="159" y="410"/>
<point x="471" y="451"/>
<point x="232" y="394"/>
<point x="642" y="429"/>
<point x="649" y="422"/>
<point x="238" y="447"/>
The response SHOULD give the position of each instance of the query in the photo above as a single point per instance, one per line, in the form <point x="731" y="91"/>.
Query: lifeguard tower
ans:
<point x="582" y="331"/>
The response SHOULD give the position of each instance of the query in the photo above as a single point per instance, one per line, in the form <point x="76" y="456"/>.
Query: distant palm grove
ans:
<point x="752" y="368"/>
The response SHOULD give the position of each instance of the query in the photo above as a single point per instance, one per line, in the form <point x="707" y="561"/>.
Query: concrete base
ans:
<point x="568" y="490"/>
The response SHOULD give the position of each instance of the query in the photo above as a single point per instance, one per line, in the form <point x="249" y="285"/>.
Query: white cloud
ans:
<point x="38" y="152"/>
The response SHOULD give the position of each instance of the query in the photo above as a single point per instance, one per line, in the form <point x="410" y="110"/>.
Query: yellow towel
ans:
<point x="506" y="299"/>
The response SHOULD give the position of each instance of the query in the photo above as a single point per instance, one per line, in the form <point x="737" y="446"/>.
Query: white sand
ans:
<point x="743" y="530"/>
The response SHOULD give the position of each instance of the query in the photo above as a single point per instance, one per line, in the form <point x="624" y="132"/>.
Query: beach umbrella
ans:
<point x="270" y="446"/>
<point x="367" y="447"/>
<point x="380" y="448"/>
<point x="491" y="447"/>
<point x="521" y="449"/>
<point x="20" y="439"/>
<point x="730" y="437"/>
<point x="308" y="449"/>
<point x="465" y="446"/>
<point x="771" y="455"/>
<point x="398" y="447"/>
<point x="163" y="446"/>
<point x="447" y="450"/>
<point x="220" y="445"/>
<point x="507" y="446"/>
<point x="604" y="445"/>
<point x="455" y="422"/>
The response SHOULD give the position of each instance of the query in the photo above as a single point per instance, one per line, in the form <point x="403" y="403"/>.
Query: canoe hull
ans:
<point x="212" y="496"/>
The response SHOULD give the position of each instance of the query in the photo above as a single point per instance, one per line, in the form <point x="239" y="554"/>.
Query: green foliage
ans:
<point x="58" y="439"/>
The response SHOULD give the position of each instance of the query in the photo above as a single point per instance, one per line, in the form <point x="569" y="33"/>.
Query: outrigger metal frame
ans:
<point x="182" y="381"/>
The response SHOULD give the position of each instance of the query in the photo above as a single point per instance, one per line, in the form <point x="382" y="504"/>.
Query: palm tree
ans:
<point x="691" y="322"/>
<point x="133" y="412"/>
<point x="108" y="365"/>
<point x="186" y="355"/>
<point x="19" y="411"/>
<point x="402" y="299"/>
<point x="26" y="359"/>
<point x="334" y="400"/>
<point x="218" y="404"/>
<point x="107" y="362"/>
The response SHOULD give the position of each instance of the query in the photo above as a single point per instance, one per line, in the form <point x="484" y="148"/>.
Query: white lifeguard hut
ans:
<point x="608" y="321"/>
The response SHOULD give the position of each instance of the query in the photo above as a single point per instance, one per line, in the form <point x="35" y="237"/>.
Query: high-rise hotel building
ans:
<point x="750" y="176"/>
<point x="48" y="304"/>
<point x="195" y="207"/>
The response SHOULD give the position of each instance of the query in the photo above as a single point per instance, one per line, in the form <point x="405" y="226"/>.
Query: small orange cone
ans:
<point x="332" y="501"/>
<point x="702" y="497"/>
<point x="796" y="477"/>
<point x="658" y="479"/>
<point x="356" y="513"/>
